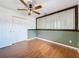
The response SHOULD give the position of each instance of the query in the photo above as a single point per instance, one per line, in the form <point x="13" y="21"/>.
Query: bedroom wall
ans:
<point x="13" y="27"/>
<point x="74" y="37"/>
<point x="63" y="20"/>
<point x="68" y="38"/>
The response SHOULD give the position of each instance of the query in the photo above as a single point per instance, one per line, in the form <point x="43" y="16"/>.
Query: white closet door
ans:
<point x="5" y="34"/>
<point x="12" y="30"/>
<point x="19" y="29"/>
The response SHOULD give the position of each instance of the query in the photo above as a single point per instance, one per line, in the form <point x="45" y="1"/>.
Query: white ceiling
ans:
<point x="48" y="5"/>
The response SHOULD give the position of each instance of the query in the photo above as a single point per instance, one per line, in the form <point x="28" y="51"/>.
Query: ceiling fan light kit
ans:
<point x="31" y="6"/>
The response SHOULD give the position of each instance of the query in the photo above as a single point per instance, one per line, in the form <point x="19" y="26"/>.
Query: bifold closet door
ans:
<point x="5" y="34"/>
<point x="19" y="29"/>
<point x="12" y="30"/>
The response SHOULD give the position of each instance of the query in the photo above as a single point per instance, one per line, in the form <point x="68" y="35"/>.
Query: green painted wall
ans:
<point x="78" y="38"/>
<point x="32" y="33"/>
<point x="65" y="37"/>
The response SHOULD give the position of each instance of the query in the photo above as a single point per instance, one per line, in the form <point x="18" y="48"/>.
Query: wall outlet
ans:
<point x="70" y="41"/>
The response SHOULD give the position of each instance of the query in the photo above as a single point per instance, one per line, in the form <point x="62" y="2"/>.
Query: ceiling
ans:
<point x="48" y="5"/>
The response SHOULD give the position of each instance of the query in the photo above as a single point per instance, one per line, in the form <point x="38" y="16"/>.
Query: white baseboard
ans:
<point x="55" y="43"/>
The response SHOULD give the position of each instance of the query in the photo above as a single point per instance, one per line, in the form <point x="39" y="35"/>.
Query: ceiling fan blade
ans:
<point x="38" y="7"/>
<point x="36" y="12"/>
<point x="22" y="9"/>
<point x="23" y="3"/>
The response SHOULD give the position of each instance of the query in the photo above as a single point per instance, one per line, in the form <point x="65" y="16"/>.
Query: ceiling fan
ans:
<point x="31" y="6"/>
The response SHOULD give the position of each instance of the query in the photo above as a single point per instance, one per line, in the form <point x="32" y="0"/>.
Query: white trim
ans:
<point x="33" y="38"/>
<point x="54" y="43"/>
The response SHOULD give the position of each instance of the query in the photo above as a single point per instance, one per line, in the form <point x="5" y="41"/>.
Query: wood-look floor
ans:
<point x="37" y="48"/>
